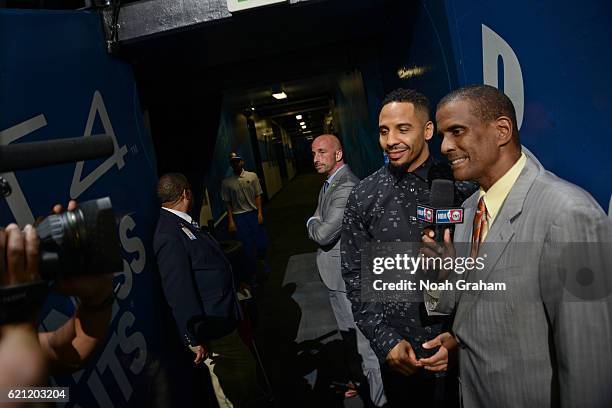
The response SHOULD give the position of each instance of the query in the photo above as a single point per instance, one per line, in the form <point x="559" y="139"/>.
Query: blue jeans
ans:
<point x="254" y="240"/>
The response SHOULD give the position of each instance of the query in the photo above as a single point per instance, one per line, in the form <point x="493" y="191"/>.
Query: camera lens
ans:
<point x="82" y="241"/>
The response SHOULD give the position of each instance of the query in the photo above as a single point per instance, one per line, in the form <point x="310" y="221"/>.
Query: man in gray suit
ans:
<point x="546" y="340"/>
<point x="324" y="228"/>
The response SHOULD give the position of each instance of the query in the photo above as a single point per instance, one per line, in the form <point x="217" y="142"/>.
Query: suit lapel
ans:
<point x="335" y="181"/>
<point x="320" y="201"/>
<point x="463" y="233"/>
<point x="501" y="232"/>
<point x="337" y="177"/>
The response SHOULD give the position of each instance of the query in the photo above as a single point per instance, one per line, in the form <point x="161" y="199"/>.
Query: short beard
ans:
<point x="398" y="171"/>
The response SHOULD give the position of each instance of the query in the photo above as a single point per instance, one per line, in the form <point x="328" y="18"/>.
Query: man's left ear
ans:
<point x="339" y="155"/>
<point x="504" y="128"/>
<point x="429" y="130"/>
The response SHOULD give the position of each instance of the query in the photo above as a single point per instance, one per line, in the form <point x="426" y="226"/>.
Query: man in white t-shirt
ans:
<point x="242" y="193"/>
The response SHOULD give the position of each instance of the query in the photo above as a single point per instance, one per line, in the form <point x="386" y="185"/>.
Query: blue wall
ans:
<point x="416" y="41"/>
<point x="550" y="57"/>
<point x="563" y="51"/>
<point x="359" y="134"/>
<point x="57" y="81"/>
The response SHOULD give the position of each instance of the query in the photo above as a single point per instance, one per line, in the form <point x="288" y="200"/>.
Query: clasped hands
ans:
<point x="402" y="358"/>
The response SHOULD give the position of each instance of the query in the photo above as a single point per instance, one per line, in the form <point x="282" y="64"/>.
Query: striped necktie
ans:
<point x="480" y="227"/>
<point x="325" y="186"/>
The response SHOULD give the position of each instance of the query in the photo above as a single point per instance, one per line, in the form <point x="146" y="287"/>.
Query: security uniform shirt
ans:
<point x="382" y="208"/>
<point x="241" y="191"/>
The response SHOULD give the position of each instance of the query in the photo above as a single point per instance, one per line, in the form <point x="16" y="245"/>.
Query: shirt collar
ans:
<point x="181" y="214"/>
<point x="495" y="196"/>
<point x="330" y="178"/>
<point x="421" y="172"/>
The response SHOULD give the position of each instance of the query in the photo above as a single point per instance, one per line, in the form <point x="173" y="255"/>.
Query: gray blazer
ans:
<point x="325" y="230"/>
<point x="538" y="343"/>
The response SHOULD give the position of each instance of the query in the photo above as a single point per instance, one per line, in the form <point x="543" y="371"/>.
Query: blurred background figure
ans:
<point x="242" y="193"/>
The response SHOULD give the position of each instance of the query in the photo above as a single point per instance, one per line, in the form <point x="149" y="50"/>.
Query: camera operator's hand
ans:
<point x="18" y="255"/>
<point x="57" y="208"/>
<point x="22" y="361"/>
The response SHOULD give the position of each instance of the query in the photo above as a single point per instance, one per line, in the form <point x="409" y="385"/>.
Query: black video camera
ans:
<point x="80" y="242"/>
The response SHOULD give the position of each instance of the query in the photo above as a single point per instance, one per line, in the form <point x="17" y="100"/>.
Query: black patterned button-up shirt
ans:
<point x="382" y="208"/>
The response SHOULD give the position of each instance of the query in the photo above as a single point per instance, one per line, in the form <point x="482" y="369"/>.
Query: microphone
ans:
<point x="441" y="213"/>
<point x="23" y="156"/>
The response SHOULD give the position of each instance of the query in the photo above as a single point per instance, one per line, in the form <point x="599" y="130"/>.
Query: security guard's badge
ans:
<point x="188" y="233"/>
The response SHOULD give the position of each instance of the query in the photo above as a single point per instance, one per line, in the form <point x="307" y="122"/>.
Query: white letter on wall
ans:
<point x="493" y="46"/>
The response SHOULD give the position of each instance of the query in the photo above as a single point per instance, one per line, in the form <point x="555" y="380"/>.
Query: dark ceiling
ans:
<point x="309" y="97"/>
<point x="301" y="47"/>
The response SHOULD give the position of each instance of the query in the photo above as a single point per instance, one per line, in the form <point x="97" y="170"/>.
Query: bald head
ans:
<point x="327" y="154"/>
<point x="331" y="140"/>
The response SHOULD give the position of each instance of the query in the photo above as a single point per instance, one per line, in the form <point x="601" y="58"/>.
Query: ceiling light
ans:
<point x="298" y="117"/>
<point x="302" y="123"/>
<point x="303" y="126"/>
<point x="279" y="95"/>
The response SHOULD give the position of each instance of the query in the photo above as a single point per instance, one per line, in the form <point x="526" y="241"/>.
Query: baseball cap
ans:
<point x="235" y="156"/>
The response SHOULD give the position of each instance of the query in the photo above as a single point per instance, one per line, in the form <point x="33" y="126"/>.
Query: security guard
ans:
<point x="199" y="287"/>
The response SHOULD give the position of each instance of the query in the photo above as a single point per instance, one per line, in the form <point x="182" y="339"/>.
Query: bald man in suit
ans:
<point x="324" y="228"/>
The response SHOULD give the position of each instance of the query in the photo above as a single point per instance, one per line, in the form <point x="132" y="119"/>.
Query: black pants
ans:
<point x="422" y="389"/>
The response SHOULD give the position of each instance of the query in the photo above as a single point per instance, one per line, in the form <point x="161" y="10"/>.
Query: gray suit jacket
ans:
<point x="543" y="341"/>
<point x="325" y="230"/>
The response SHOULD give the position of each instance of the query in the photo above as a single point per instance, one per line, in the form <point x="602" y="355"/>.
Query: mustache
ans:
<point x="396" y="148"/>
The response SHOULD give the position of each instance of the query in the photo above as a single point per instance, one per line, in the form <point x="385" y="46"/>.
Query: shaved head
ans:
<point x="327" y="154"/>
<point x="332" y="139"/>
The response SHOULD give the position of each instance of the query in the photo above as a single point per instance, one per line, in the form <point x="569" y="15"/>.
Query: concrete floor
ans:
<point x="297" y="336"/>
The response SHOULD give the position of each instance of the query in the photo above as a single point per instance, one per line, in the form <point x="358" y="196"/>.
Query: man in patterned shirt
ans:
<point x="382" y="208"/>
